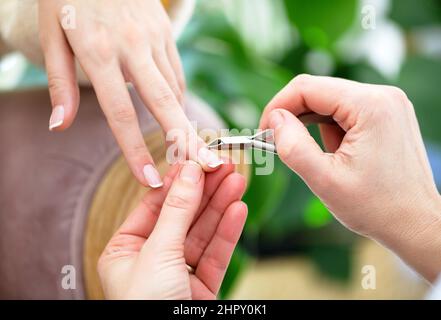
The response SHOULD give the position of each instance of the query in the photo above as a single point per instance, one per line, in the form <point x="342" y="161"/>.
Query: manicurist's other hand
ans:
<point x="178" y="242"/>
<point x="116" y="42"/>
<point x="375" y="177"/>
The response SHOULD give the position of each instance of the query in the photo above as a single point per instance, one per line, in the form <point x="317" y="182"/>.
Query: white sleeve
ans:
<point x="19" y="26"/>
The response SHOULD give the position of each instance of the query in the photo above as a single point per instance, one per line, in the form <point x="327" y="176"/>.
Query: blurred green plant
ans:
<point x="321" y="23"/>
<point x="227" y="71"/>
<point x="316" y="215"/>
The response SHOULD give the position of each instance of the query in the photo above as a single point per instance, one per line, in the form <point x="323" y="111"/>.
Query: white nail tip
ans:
<point x="152" y="176"/>
<point x="55" y="125"/>
<point x="215" y="164"/>
<point x="57" y="117"/>
<point x="156" y="186"/>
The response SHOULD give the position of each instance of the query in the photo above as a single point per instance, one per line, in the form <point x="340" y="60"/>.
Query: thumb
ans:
<point x="298" y="149"/>
<point x="181" y="204"/>
<point x="62" y="82"/>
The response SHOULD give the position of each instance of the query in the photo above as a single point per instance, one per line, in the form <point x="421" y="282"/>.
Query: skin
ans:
<point x="115" y="43"/>
<point x="375" y="177"/>
<point x="196" y="219"/>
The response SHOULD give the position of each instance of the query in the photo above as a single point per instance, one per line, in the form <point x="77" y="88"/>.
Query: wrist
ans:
<point x="414" y="234"/>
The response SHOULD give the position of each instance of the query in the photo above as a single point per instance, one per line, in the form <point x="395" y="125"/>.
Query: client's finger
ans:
<point x="156" y="93"/>
<point x="115" y="101"/>
<point x="62" y="80"/>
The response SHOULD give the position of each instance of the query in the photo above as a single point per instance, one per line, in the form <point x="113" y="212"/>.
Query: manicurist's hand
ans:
<point x="376" y="178"/>
<point x="116" y="42"/>
<point x="178" y="242"/>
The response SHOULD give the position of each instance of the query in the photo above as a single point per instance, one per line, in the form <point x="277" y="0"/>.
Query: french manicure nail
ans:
<point x="209" y="158"/>
<point x="276" y="119"/>
<point x="57" y="117"/>
<point x="152" y="176"/>
<point x="191" y="172"/>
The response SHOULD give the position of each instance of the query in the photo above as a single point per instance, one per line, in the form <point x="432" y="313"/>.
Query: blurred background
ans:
<point x="237" y="55"/>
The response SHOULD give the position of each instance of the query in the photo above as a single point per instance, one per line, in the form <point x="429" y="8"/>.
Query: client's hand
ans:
<point x="116" y="42"/>
<point x="178" y="242"/>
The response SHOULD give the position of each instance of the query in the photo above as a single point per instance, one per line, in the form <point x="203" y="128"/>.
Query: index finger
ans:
<point x="162" y="102"/>
<point x="322" y="95"/>
<point x="115" y="101"/>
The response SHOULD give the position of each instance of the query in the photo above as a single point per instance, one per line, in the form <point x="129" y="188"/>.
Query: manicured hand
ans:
<point x="376" y="178"/>
<point x="178" y="242"/>
<point x="116" y="42"/>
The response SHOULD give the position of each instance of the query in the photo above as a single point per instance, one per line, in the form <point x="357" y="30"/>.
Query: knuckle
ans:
<point x="215" y="262"/>
<point x="178" y="201"/>
<point x="385" y="102"/>
<point x="144" y="64"/>
<point x="164" y="97"/>
<point x="398" y="95"/>
<point x="156" y="34"/>
<point x="137" y="150"/>
<point x="300" y="80"/>
<point x="286" y="148"/>
<point x="198" y="242"/>
<point x="377" y="107"/>
<point x="133" y="34"/>
<point x="56" y="82"/>
<point x="379" y="98"/>
<point x="396" y="92"/>
<point x="98" y="48"/>
<point x="122" y="114"/>
<point x="104" y="51"/>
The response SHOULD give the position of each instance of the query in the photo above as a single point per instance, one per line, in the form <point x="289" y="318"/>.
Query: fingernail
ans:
<point x="57" y="117"/>
<point x="152" y="176"/>
<point x="191" y="172"/>
<point x="209" y="158"/>
<point x="276" y="119"/>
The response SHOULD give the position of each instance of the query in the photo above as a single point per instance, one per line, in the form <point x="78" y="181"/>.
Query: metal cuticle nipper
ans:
<point x="263" y="140"/>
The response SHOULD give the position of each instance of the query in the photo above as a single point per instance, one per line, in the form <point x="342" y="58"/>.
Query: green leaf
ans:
<point x="420" y="79"/>
<point x="411" y="13"/>
<point x="333" y="261"/>
<point x="286" y="218"/>
<point x="321" y="22"/>
<point x="316" y="214"/>
<point x="264" y="194"/>
<point x="220" y="69"/>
